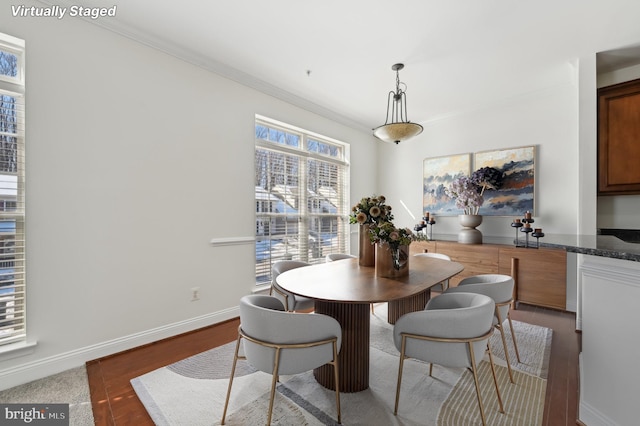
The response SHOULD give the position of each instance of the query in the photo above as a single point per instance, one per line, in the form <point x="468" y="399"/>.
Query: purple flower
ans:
<point x="467" y="193"/>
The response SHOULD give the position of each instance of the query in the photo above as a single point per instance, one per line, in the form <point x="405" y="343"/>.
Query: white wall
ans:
<point x="547" y="119"/>
<point x="135" y="161"/>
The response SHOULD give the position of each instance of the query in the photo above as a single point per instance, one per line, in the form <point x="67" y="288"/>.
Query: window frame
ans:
<point x="310" y="220"/>
<point x="13" y="304"/>
<point x="14" y="46"/>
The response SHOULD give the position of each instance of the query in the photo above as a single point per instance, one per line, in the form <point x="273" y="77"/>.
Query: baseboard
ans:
<point x="28" y="372"/>
<point x="587" y="414"/>
<point x="592" y="417"/>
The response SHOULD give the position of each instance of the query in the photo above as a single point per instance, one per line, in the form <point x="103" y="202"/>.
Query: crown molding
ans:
<point x="217" y="67"/>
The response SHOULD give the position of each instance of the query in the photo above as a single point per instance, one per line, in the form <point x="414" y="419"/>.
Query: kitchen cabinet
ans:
<point x="619" y="139"/>
<point x="609" y="378"/>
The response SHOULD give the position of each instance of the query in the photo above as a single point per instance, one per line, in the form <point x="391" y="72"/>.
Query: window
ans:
<point x="12" y="253"/>
<point x="301" y="190"/>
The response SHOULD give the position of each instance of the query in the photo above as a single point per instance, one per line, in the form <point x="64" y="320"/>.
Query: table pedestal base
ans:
<point x="353" y="359"/>
<point x="399" y="307"/>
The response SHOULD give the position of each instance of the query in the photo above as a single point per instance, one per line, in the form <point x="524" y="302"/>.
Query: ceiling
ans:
<point x="335" y="56"/>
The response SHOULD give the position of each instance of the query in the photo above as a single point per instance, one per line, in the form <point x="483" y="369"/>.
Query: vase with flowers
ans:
<point x="468" y="192"/>
<point x="392" y="249"/>
<point x="368" y="212"/>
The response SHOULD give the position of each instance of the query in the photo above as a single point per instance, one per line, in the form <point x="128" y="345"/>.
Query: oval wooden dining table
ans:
<point x="344" y="290"/>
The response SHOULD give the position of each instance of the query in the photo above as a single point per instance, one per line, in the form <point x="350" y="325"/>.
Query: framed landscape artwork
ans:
<point x="516" y="194"/>
<point x="437" y="174"/>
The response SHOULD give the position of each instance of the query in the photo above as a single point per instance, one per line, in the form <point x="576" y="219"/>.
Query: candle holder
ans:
<point x="537" y="233"/>
<point x="516" y="225"/>
<point x="524" y="225"/>
<point x="426" y="225"/>
<point x="527" y="231"/>
<point x="431" y="222"/>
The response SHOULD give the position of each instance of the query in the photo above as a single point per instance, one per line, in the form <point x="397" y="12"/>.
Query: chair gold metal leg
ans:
<point x="233" y="370"/>
<point x="475" y="379"/>
<point x="273" y="385"/>
<point x="504" y="345"/>
<point x="495" y="378"/>
<point x="400" y="367"/>
<point x="513" y="337"/>
<point x="336" y="379"/>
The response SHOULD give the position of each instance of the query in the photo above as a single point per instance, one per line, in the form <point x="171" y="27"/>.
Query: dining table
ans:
<point x="345" y="290"/>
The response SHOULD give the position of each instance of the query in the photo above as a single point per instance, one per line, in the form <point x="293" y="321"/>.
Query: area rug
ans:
<point x="192" y="391"/>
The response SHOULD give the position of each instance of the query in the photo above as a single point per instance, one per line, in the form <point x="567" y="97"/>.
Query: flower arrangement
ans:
<point x="371" y="210"/>
<point x="467" y="194"/>
<point x="488" y="177"/>
<point x="468" y="191"/>
<point x="387" y="233"/>
<point x="374" y="211"/>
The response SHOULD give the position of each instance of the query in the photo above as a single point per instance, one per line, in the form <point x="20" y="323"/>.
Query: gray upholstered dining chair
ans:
<point x="338" y="256"/>
<point x="500" y="289"/>
<point x="444" y="284"/>
<point x="284" y="343"/>
<point x="290" y="301"/>
<point x="452" y="331"/>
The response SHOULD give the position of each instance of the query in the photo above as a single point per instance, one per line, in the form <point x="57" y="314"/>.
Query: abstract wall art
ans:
<point x="437" y="174"/>
<point x="516" y="194"/>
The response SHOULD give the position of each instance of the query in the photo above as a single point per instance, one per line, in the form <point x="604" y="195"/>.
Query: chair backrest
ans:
<point x="282" y="266"/>
<point x="442" y="286"/>
<point x="497" y="286"/>
<point x="263" y="319"/>
<point x="448" y="316"/>
<point x="338" y="256"/>
<point x="434" y="255"/>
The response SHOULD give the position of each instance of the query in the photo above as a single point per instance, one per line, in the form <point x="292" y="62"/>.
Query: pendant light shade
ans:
<point x="397" y="127"/>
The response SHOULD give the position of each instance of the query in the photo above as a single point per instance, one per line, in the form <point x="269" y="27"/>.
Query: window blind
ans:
<point x="301" y="192"/>
<point x="12" y="200"/>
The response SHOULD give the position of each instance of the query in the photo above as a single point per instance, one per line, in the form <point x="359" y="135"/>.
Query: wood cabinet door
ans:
<point x="422" y="247"/>
<point x="540" y="275"/>
<point x="619" y="139"/>
<point x="477" y="258"/>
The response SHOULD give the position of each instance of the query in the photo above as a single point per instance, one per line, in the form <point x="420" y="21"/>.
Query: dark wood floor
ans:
<point x="115" y="402"/>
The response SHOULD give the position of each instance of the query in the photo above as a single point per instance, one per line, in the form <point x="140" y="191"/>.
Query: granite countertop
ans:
<point x="595" y="245"/>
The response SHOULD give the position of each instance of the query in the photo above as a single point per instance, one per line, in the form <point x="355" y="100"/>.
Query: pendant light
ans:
<point x="397" y="127"/>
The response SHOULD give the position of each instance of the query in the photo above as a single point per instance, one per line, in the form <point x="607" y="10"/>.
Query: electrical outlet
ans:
<point x="195" y="293"/>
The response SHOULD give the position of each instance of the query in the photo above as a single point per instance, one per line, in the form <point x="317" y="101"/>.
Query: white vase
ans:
<point x="469" y="234"/>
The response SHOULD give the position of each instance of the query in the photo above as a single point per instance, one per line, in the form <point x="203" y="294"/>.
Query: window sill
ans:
<point x="18" y="349"/>
<point x="261" y="289"/>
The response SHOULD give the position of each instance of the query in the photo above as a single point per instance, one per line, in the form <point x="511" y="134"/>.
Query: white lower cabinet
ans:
<point x="609" y="299"/>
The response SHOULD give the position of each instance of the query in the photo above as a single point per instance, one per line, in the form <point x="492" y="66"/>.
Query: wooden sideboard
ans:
<point x="540" y="274"/>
